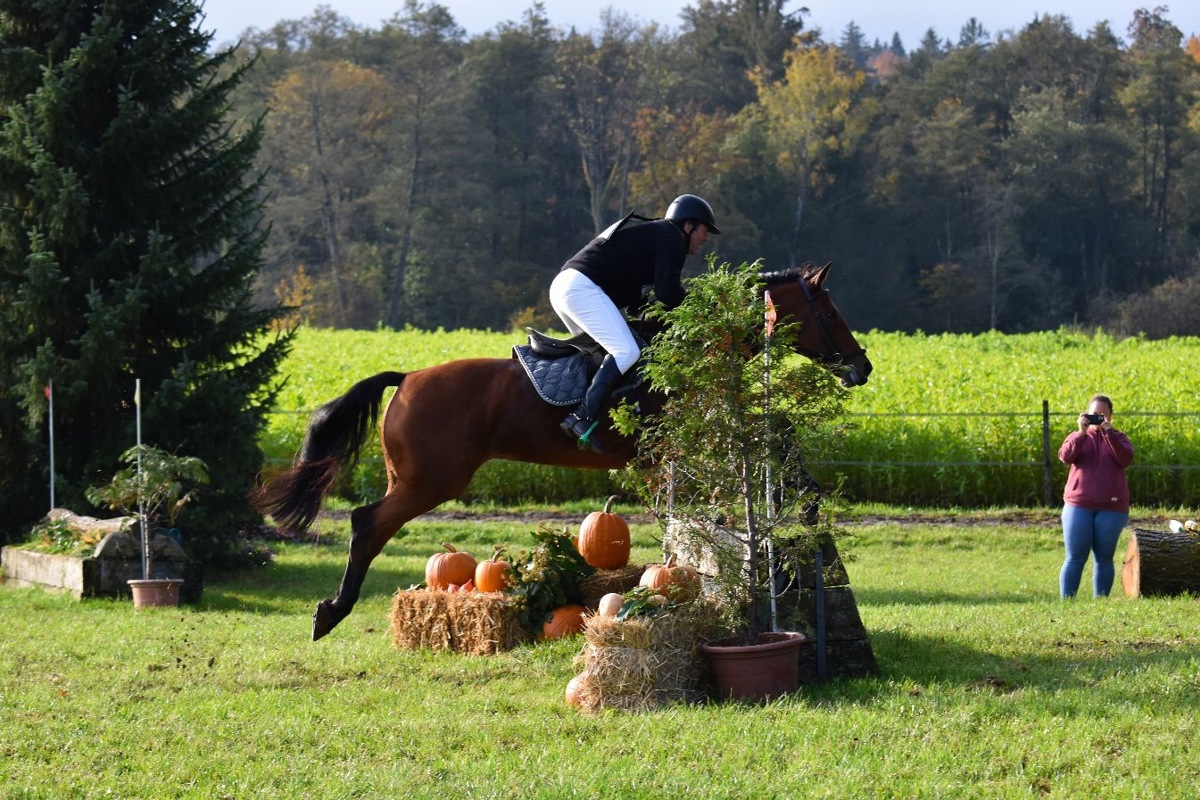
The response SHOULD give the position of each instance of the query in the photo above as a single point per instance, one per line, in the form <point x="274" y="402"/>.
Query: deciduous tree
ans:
<point x="1158" y="101"/>
<point x="816" y="111"/>
<point x="327" y="139"/>
<point x="602" y="84"/>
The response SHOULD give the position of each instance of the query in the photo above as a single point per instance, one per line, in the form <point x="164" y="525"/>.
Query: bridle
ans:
<point x="834" y="357"/>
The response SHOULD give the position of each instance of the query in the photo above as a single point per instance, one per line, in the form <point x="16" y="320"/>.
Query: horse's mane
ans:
<point x="790" y="274"/>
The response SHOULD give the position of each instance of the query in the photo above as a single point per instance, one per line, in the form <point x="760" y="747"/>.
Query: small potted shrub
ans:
<point x="727" y="457"/>
<point x="153" y="486"/>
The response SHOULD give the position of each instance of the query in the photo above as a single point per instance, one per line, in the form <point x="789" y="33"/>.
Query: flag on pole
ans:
<point x="770" y="313"/>
<point x="137" y="393"/>
<point x="49" y="390"/>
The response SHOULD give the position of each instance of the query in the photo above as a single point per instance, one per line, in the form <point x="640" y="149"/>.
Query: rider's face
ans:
<point x="697" y="238"/>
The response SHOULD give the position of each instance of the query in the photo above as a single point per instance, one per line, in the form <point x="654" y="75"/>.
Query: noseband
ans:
<point x="834" y="357"/>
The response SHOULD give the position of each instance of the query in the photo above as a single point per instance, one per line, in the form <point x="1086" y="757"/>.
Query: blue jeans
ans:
<point x="1086" y="530"/>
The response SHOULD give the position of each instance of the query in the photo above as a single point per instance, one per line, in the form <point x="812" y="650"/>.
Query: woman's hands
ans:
<point x="1085" y="423"/>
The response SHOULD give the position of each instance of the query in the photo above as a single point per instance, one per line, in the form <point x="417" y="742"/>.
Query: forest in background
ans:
<point x="418" y="177"/>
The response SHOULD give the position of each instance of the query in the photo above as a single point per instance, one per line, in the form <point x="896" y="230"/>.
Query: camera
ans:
<point x="1094" y="419"/>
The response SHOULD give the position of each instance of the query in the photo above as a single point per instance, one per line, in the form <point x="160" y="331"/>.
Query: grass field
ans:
<point x="990" y="687"/>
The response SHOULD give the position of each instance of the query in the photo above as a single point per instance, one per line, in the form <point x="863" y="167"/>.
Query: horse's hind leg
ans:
<point x="371" y="527"/>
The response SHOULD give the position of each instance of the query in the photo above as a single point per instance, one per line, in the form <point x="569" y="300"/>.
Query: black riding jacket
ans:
<point x="636" y="255"/>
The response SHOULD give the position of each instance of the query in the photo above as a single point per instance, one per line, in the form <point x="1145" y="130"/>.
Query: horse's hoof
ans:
<point x="323" y="620"/>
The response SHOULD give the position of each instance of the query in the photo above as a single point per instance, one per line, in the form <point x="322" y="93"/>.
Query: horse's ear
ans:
<point x="821" y="274"/>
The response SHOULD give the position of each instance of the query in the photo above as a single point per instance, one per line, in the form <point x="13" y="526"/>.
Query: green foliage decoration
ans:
<point x="153" y="482"/>
<point x="547" y="577"/>
<point x="642" y="601"/>
<point x="725" y="461"/>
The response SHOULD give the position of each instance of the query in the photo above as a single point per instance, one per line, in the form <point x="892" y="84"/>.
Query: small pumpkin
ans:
<point x="604" y="539"/>
<point x="681" y="582"/>
<point x="564" y="621"/>
<point x="443" y="569"/>
<point x="610" y="604"/>
<point x="492" y="575"/>
<point x="574" y="693"/>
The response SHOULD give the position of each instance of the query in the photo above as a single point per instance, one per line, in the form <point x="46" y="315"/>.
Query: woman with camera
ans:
<point x="1096" y="497"/>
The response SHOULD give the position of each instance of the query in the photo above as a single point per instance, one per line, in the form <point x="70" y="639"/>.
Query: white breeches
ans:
<point x="585" y="308"/>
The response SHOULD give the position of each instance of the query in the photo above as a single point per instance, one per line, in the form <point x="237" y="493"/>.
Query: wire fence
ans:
<point x="1046" y="465"/>
<point x="927" y="480"/>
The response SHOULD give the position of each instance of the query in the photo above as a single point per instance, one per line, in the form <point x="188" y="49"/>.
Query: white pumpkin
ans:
<point x="610" y="604"/>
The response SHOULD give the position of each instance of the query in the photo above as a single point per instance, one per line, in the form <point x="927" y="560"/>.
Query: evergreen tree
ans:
<point x="723" y="41"/>
<point x="973" y="33"/>
<point x="130" y="232"/>
<point x="854" y="44"/>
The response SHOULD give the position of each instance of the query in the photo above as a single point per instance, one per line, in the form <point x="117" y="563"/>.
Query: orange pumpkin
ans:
<point x="492" y="575"/>
<point x="564" y="621"/>
<point x="604" y="539"/>
<point x="680" y="583"/>
<point x="443" y="569"/>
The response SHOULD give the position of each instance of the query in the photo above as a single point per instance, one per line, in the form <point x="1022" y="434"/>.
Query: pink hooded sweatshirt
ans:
<point x="1098" y="460"/>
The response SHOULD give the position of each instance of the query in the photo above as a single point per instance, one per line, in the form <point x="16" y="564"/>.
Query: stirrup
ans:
<point x="574" y="426"/>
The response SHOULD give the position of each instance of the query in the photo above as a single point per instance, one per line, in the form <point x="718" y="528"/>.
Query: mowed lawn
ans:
<point x="990" y="686"/>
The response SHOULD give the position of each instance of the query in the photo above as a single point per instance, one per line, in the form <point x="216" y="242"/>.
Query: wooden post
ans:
<point x="1047" y="463"/>
<point x="822" y="639"/>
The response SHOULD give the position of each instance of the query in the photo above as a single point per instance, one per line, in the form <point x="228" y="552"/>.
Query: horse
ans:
<point x="444" y="422"/>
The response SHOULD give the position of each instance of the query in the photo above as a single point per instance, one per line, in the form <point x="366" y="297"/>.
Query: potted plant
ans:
<point x="153" y="486"/>
<point x="724" y="464"/>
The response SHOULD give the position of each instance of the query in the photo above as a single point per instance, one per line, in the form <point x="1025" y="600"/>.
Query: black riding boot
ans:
<point x="584" y="419"/>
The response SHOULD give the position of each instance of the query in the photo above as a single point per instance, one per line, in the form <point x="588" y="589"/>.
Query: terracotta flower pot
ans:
<point x="769" y="668"/>
<point x="155" y="592"/>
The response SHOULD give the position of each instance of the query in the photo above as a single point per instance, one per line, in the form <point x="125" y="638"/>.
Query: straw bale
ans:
<point x="642" y="663"/>
<point x="474" y="623"/>
<point x="604" y="581"/>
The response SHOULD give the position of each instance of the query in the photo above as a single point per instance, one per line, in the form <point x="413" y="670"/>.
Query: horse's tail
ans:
<point x="334" y="438"/>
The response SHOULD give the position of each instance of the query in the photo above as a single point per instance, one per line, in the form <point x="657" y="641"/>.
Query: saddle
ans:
<point x="561" y="369"/>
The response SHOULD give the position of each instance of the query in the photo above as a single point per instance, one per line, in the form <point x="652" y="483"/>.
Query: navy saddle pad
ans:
<point x="563" y="381"/>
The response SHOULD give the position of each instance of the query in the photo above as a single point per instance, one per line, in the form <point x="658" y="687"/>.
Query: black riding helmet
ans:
<point x="689" y="206"/>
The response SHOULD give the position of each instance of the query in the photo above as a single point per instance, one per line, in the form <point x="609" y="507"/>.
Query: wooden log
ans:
<point x="1161" y="563"/>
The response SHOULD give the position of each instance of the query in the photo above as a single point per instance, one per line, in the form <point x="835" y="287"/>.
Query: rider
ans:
<point x="609" y="273"/>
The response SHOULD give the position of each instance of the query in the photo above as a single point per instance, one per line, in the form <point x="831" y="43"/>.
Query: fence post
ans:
<point x="1047" y="464"/>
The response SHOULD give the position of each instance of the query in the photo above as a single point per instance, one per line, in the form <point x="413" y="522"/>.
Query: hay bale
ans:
<point x="645" y="662"/>
<point x="604" y="581"/>
<point x="474" y="623"/>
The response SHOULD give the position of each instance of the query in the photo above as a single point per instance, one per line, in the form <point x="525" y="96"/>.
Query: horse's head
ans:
<point x="799" y="296"/>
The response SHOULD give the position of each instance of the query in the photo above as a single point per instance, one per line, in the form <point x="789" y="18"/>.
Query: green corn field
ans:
<point x="946" y="420"/>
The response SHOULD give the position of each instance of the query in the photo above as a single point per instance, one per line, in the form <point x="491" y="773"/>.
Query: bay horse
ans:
<point x="443" y="422"/>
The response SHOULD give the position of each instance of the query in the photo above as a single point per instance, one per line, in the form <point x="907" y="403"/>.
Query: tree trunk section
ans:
<point x="1161" y="563"/>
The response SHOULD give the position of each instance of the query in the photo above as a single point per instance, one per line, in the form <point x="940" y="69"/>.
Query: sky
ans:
<point x="878" y="19"/>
